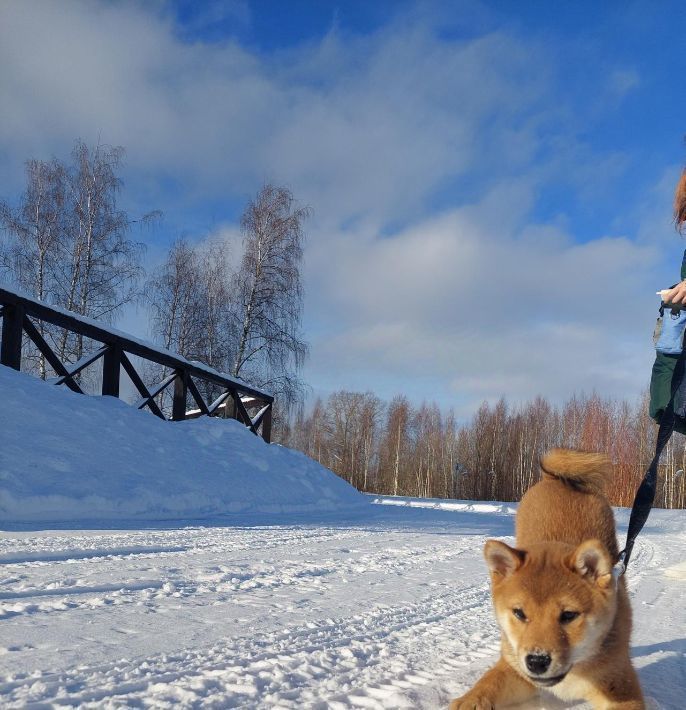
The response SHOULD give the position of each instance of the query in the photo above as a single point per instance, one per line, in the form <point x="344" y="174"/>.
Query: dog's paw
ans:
<point x="472" y="701"/>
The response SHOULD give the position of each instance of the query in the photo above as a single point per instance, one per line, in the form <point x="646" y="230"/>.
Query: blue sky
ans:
<point x="590" y="47"/>
<point x="491" y="181"/>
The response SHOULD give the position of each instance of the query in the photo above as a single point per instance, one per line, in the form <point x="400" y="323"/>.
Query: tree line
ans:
<point x="68" y="242"/>
<point x="401" y="449"/>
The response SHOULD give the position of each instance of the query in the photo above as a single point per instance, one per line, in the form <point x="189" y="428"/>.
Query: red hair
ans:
<point x="680" y="202"/>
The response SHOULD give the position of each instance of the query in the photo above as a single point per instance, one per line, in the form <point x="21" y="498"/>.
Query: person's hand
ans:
<point x="676" y="295"/>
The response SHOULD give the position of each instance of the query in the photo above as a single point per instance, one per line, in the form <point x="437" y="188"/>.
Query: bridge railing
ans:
<point x="18" y="313"/>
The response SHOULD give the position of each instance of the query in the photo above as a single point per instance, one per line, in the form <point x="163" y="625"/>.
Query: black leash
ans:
<point x="643" y="502"/>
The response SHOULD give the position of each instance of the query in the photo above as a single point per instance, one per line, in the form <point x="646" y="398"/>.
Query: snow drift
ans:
<point x="66" y="457"/>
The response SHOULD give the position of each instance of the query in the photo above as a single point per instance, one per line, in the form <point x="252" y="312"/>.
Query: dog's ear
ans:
<point x="592" y="561"/>
<point x="502" y="559"/>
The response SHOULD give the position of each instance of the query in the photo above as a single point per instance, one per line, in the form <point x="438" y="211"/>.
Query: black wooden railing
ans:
<point x="18" y="313"/>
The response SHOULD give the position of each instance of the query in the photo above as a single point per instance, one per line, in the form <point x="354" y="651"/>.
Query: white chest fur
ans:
<point x="572" y="687"/>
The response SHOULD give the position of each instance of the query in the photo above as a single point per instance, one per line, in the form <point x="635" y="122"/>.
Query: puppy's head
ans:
<point x="555" y="604"/>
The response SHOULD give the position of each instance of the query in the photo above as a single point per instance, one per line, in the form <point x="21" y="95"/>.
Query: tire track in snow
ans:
<point x="22" y="595"/>
<point x="370" y="660"/>
<point x="77" y="555"/>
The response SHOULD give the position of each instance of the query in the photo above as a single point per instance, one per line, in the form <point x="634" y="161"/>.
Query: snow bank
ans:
<point x="460" y="506"/>
<point x="66" y="457"/>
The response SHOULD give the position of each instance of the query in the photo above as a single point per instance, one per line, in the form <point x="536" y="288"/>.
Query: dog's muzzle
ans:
<point x="537" y="664"/>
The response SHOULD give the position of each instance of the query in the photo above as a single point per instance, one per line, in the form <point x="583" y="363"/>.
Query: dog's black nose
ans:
<point x="537" y="663"/>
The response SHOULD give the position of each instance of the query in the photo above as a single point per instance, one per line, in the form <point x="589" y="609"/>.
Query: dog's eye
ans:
<point x="519" y="613"/>
<point x="567" y="616"/>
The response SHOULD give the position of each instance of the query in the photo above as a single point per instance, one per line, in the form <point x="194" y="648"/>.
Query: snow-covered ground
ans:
<point x="389" y="609"/>
<point x="68" y="459"/>
<point x="188" y="565"/>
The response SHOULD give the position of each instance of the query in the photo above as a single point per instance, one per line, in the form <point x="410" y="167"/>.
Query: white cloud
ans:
<point x="520" y="310"/>
<point x="365" y="127"/>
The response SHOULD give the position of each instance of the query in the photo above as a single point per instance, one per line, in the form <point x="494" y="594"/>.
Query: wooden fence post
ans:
<point x="111" y="369"/>
<point x="230" y="408"/>
<point x="180" y="391"/>
<point x="10" y="347"/>
<point x="267" y="425"/>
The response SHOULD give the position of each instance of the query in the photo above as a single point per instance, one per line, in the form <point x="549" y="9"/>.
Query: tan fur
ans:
<point x="588" y="471"/>
<point x="566" y="548"/>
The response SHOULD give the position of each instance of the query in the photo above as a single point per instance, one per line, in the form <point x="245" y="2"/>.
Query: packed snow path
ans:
<point x="389" y="610"/>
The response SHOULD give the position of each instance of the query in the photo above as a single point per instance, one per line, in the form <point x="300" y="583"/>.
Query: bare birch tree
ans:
<point x="220" y="329"/>
<point x="68" y="242"/>
<point x="189" y="305"/>
<point x="34" y="231"/>
<point x="394" y="446"/>
<point x="370" y="414"/>
<point x="174" y="296"/>
<point x="101" y="265"/>
<point x="268" y="295"/>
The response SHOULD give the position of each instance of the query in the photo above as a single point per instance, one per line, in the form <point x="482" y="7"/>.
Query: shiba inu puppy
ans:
<point x="564" y="616"/>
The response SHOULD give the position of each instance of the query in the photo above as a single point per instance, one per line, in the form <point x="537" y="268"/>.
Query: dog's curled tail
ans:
<point x="588" y="472"/>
